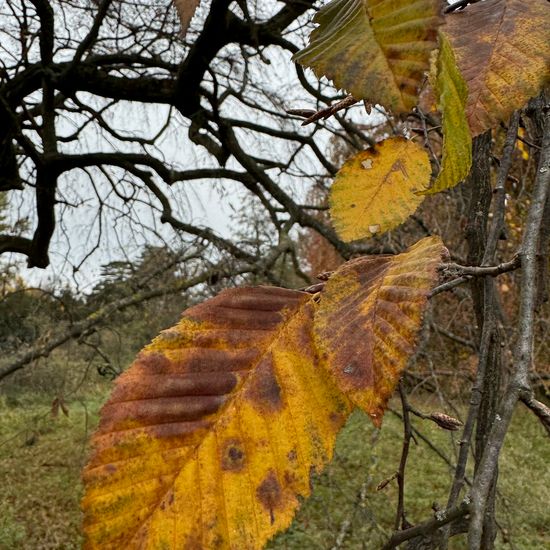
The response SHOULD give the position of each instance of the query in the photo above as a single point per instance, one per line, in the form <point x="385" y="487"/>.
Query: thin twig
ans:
<point x="311" y="115"/>
<point x="346" y="525"/>
<point x="417" y="433"/>
<point x="455" y="337"/>
<point x="427" y="142"/>
<point x="449" y="285"/>
<point x="499" y="192"/>
<point x="475" y="401"/>
<point x="407" y="434"/>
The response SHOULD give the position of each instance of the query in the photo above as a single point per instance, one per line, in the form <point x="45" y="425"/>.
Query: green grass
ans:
<point x="41" y="458"/>
<point x="40" y="462"/>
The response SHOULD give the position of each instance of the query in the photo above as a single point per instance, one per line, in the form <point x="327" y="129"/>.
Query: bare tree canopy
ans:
<point x="78" y="79"/>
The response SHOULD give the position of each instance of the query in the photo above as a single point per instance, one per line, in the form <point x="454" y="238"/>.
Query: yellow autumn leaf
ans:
<point x="521" y="145"/>
<point x="502" y="48"/>
<point x="377" y="50"/>
<point x="209" y="439"/>
<point x="452" y="95"/>
<point x="369" y="316"/>
<point x="378" y="189"/>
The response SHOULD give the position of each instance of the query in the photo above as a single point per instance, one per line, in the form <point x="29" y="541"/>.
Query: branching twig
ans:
<point x="481" y="271"/>
<point x="463" y="273"/>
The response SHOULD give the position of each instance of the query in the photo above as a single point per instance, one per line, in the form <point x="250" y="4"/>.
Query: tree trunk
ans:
<point x="478" y="193"/>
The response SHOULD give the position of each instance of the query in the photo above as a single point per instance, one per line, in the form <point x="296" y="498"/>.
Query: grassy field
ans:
<point x="41" y="457"/>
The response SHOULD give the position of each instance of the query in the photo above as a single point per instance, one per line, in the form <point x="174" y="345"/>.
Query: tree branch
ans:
<point x="429" y="526"/>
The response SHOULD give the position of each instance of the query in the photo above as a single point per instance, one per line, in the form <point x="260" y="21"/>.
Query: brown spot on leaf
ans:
<point x="233" y="455"/>
<point x="218" y="542"/>
<point x="193" y="542"/>
<point x="265" y="393"/>
<point x="290" y="478"/>
<point x="292" y="455"/>
<point x="398" y="165"/>
<point x="269" y="494"/>
<point x="336" y="418"/>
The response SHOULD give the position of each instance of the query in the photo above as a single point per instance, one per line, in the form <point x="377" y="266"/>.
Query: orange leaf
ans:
<point x="502" y="48"/>
<point x="209" y="439"/>
<point x="368" y="319"/>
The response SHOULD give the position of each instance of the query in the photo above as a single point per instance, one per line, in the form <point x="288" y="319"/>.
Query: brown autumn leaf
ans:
<point x="502" y="48"/>
<point x="210" y="438"/>
<point x="59" y="403"/>
<point x="186" y="9"/>
<point x="368" y="319"/>
<point x="55" y="407"/>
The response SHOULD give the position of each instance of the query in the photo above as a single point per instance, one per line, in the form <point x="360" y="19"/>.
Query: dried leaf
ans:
<point x="325" y="276"/>
<point x="376" y="190"/>
<point x="457" y="141"/>
<point x="55" y="407"/>
<point x="64" y="407"/>
<point x="368" y="319"/>
<point x="209" y="439"/>
<point x="377" y="50"/>
<point x="502" y="48"/>
<point x="521" y="145"/>
<point x="445" y="421"/>
<point x="427" y="101"/>
<point x="385" y="482"/>
<point x="186" y="9"/>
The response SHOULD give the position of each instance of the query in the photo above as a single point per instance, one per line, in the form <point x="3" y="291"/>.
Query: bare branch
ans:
<point x="429" y="526"/>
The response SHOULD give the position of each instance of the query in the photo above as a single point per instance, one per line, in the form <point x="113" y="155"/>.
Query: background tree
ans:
<point x="65" y="89"/>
